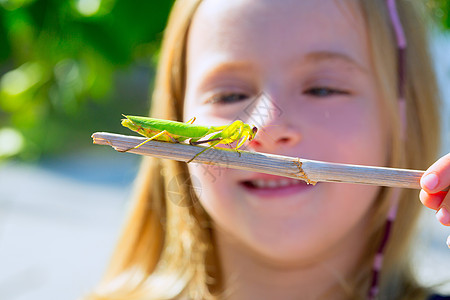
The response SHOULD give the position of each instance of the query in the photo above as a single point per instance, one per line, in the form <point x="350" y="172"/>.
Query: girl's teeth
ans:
<point x="261" y="183"/>
<point x="284" y="182"/>
<point x="272" y="184"/>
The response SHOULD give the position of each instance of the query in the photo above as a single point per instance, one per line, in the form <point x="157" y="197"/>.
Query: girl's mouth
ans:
<point x="275" y="186"/>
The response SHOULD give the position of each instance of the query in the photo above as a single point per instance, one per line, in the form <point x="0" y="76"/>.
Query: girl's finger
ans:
<point x="443" y="213"/>
<point x="432" y="201"/>
<point x="437" y="177"/>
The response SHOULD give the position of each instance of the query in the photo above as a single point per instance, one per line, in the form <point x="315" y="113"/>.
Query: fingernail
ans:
<point x="443" y="216"/>
<point x="448" y="241"/>
<point x="430" y="181"/>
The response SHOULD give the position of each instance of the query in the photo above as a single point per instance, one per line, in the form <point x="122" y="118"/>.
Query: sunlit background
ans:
<point x="68" y="69"/>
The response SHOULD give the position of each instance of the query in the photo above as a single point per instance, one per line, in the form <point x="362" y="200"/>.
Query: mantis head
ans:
<point x="253" y="133"/>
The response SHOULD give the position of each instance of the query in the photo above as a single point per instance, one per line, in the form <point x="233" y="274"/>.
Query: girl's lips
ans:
<point x="270" y="186"/>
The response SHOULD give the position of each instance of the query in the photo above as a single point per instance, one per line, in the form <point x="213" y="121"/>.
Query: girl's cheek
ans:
<point x="348" y="134"/>
<point x="215" y="183"/>
<point x="208" y="175"/>
<point x="214" y="193"/>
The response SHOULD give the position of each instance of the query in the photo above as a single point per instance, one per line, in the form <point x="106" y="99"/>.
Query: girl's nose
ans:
<point x="272" y="137"/>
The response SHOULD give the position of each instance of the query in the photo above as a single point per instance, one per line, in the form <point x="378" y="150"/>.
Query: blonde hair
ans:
<point x="166" y="249"/>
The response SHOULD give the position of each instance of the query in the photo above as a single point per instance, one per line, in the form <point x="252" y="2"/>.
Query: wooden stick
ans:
<point x="310" y="171"/>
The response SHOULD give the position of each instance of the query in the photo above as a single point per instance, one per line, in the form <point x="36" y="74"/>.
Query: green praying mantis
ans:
<point x="176" y="132"/>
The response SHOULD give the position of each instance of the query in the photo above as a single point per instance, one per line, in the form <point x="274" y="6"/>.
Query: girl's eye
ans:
<point x="324" y="92"/>
<point x="227" y="98"/>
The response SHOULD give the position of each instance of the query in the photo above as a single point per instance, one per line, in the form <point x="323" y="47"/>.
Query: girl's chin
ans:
<point x="290" y="254"/>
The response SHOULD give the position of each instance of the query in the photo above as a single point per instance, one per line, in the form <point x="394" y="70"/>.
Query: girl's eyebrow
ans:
<point x="320" y="56"/>
<point x="221" y="68"/>
<point x="224" y="67"/>
<point x="230" y="67"/>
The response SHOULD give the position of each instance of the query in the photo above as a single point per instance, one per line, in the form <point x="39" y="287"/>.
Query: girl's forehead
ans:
<point x="285" y="27"/>
<point x="279" y="10"/>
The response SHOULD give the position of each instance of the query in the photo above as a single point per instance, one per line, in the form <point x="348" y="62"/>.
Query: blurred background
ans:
<point x="71" y="68"/>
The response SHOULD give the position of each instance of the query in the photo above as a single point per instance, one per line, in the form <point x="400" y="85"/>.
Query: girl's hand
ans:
<point x="436" y="179"/>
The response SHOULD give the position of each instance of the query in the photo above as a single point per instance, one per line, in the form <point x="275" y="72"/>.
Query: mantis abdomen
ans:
<point x="149" y="127"/>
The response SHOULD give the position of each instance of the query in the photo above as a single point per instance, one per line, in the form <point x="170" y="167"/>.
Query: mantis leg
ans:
<point x="202" y="142"/>
<point x="149" y="139"/>
<point x="234" y="132"/>
<point x="240" y="143"/>
<point x="191" y="121"/>
<point x="216" y="142"/>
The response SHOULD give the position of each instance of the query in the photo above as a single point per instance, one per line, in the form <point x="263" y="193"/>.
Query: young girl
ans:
<point x="346" y="81"/>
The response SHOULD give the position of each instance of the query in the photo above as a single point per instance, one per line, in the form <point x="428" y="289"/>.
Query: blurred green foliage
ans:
<point x="68" y="68"/>
<point x="440" y="11"/>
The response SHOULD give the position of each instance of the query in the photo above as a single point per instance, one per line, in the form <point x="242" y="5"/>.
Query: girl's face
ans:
<point x="311" y="62"/>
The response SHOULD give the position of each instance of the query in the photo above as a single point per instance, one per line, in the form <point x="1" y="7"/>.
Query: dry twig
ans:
<point x="308" y="170"/>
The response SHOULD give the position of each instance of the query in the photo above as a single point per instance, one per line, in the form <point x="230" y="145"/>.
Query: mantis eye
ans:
<point x="254" y="130"/>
